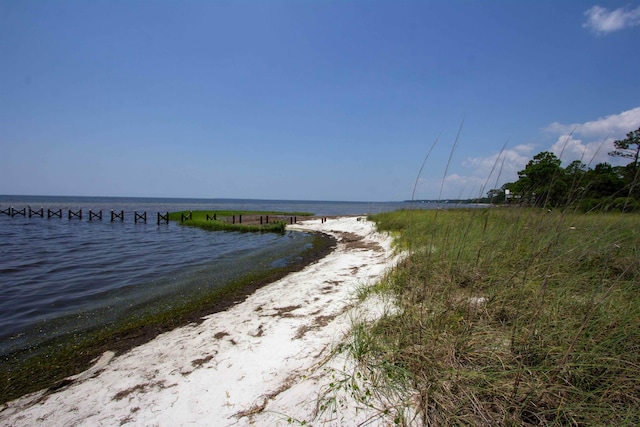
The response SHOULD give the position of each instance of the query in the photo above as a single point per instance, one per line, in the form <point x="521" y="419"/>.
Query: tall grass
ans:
<point x="510" y="316"/>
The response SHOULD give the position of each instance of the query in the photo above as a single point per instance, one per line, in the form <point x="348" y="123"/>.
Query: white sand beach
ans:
<point x="262" y="362"/>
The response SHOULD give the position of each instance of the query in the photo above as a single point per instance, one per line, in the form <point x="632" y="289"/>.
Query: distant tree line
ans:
<point x="545" y="183"/>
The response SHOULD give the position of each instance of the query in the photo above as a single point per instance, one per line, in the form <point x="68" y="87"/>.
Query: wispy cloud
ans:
<point x="603" y="21"/>
<point x="480" y="174"/>
<point x="504" y="164"/>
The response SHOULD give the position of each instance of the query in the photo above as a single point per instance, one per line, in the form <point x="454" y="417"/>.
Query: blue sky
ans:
<point x="322" y="100"/>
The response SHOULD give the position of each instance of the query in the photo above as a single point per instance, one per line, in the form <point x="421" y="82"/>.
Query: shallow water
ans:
<point x="63" y="276"/>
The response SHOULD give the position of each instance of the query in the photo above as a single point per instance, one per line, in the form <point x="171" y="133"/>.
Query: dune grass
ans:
<point x="507" y="316"/>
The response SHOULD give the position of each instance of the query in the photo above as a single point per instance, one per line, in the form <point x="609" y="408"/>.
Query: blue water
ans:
<point x="63" y="276"/>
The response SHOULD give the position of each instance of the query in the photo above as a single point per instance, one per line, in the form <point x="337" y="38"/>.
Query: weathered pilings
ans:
<point x="162" y="218"/>
<point x="15" y="211"/>
<point x="97" y="215"/>
<point x="77" y="214"/>
<point x="139" y="217"/>
<point x="51" y="214"/>
<point x="116" y="215"/>
<point x="39" y="213"/>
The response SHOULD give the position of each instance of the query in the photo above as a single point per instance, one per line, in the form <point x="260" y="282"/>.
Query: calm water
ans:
<point x="61" y="276"/>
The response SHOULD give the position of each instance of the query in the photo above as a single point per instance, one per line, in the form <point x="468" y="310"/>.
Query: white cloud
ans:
<point x="596" y="140"/>
<point x="591" y="153"/>
<point x="615" y="125"/>
<point x="602" y="21"/>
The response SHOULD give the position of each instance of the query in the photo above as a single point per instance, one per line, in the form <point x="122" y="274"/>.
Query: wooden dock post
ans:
<point x="260" y="219"/>
<point x="115" y="215"/>
<point x="164" y="218"/>
<point x="51" y="214"/>
<point x="240" y="216"/>
<point x="95" y="215"/>
<point x="77" y="214"/>
<point x="15" y="211"/>
<point x="141" y="217"/>
<point x="39" y="213"/>
<point x="233" y="219"/>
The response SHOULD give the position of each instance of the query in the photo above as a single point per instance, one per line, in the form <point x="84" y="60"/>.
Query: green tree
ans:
<point x="628" y="148"/>
<point x="576" y="170"/>
<point x="605" y="181"/>
<point x="575" y="174"/>
<point x="542" y="181"/>
<point x="495" y="195"/>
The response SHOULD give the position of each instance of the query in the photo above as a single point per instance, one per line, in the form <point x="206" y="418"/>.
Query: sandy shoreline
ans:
<point x="257" y="363"/>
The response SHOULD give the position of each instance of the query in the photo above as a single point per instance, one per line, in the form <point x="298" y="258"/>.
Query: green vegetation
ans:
<point x="243" y="221"/>
<point x="504" y="316"/>
<point x="544" y="183"/>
